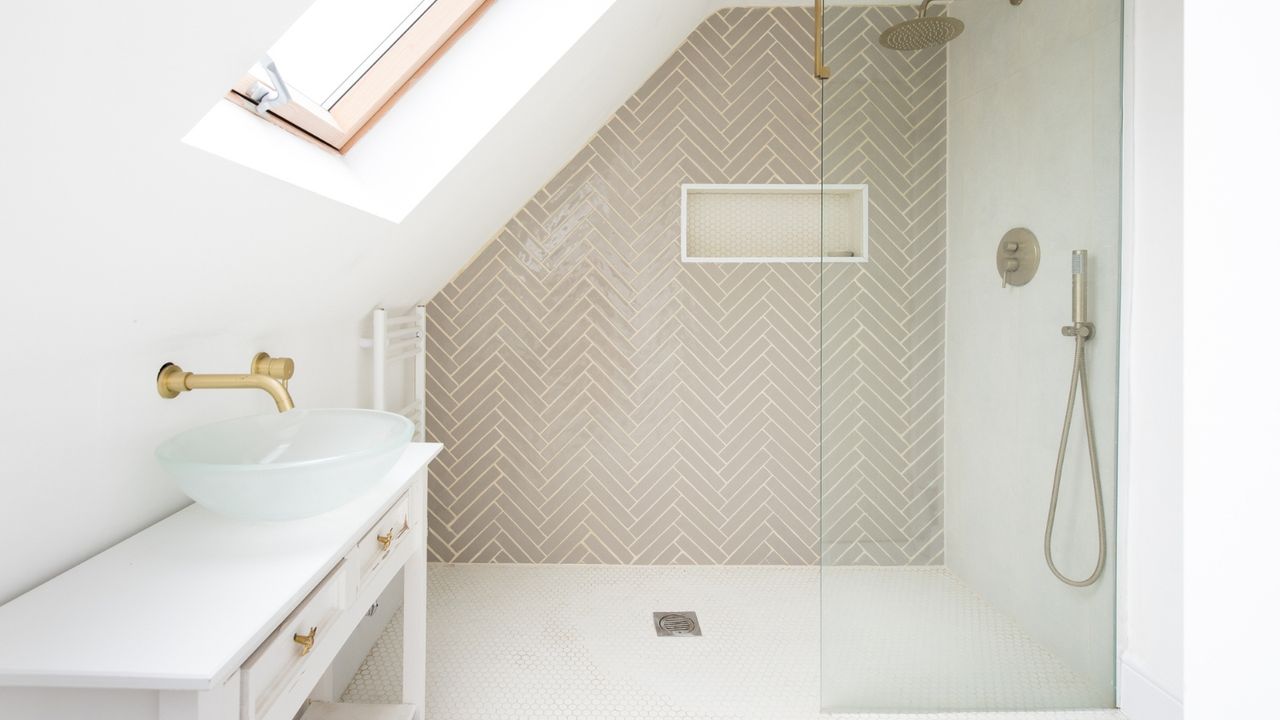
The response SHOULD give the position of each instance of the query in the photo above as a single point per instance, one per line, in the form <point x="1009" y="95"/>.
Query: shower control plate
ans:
<point x="1017" y="257"/>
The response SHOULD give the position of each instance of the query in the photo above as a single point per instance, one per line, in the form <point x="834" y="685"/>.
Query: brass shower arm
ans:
<point x="820" y="69"/>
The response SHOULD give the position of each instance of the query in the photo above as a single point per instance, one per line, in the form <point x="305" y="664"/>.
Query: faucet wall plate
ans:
<point x="1017" y="257"/>
<point x="168" y="381"/>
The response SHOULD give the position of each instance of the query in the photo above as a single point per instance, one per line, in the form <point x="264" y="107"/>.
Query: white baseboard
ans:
<point x="1142" y="699"/>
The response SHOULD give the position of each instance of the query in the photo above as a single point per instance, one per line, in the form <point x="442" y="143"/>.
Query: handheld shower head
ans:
<point x="921" y="32"/>
<point x="1081" y="330"/>
<point x="1079" y="286"/>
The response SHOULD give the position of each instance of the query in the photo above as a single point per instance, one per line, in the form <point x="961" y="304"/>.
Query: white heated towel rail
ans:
<point x="401" y="338"/>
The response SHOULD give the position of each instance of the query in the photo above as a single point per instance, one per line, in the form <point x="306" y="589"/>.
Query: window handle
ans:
<point x="264" y="95"/>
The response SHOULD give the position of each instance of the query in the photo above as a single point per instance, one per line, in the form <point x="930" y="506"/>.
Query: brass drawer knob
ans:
<point x="307" y="641"/>
<point x="385" y="540"/>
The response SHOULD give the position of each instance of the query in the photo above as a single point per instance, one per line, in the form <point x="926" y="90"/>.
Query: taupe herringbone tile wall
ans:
<point x="600" y="401"/>
<point x="884" y="123"/>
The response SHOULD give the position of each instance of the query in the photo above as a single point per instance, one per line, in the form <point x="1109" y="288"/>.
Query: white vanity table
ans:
<point x="200" y="617"/>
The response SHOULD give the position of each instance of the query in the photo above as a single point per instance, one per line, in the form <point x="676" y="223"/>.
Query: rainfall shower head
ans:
<point x="921" y="32"/>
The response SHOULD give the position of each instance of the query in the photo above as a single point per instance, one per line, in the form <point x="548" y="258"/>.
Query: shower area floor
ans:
<point x="577" y="641"/>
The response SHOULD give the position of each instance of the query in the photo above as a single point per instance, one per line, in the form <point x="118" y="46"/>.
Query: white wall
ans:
<point x="124" y="248"/>
<point x="1231" y="383"/>
<point x="1034" y="113"/>
<point x="1151" y="382"/>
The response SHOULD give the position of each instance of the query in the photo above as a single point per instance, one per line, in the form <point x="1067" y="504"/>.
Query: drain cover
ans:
<point x="676" y="624"/>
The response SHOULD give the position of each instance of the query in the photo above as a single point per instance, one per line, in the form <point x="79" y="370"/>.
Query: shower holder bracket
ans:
<point x="1017" y="257"/>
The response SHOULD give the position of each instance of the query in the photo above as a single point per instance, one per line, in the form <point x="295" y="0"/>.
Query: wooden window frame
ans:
<point x="338" y="128"/>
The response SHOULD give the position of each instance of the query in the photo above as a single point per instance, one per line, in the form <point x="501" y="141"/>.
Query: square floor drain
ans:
<point x="676" y="624"/>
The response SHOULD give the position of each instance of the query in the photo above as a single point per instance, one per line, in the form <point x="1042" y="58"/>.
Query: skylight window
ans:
<point x="343" y="61"/>
<point x="336" y="41"/>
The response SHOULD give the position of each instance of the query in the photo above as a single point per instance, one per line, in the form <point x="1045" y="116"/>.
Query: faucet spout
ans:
<point x="173" y="380"/>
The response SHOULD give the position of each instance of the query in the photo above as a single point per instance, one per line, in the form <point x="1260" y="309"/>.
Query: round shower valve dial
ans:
<point x="1017" y="257"/>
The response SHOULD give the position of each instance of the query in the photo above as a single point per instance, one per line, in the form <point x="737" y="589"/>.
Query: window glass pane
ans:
<point x="336" y="41"/>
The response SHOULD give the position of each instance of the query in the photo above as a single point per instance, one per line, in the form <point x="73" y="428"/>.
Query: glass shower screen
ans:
<point x="943" y="381"/>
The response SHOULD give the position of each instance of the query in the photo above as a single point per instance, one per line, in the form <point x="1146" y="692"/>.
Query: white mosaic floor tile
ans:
<point x="918" y="639"/>
<point x="577" y="641"/>
<point x="379" y="678"/>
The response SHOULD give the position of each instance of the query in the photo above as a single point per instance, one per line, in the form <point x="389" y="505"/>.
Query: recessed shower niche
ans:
<point x="773" y="223"/>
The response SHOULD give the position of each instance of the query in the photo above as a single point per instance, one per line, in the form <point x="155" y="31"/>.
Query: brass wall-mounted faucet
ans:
<point x="266" y="373"/>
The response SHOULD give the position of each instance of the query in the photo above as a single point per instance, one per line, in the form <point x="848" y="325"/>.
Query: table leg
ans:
<point x="415" y="608"/>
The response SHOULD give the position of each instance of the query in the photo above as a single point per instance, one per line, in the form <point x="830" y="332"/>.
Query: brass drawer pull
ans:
<point x="307" y="641"/>
<point x="384" y="541"/>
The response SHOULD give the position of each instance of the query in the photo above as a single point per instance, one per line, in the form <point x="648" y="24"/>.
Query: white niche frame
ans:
<point x="861" y="190"/>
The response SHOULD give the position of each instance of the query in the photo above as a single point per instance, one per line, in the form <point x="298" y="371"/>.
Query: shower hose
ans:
<point x="1080" y="378"/>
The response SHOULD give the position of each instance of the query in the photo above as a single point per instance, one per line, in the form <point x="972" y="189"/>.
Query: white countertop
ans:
<point x="182" y="604"/>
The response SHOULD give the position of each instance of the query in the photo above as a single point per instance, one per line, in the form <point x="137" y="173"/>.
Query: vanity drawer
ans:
<point x="285" y="666"/>
<point x="391" y="530"/>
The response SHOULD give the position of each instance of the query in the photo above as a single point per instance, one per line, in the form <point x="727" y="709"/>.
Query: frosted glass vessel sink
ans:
<point x="285" y="466"/>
